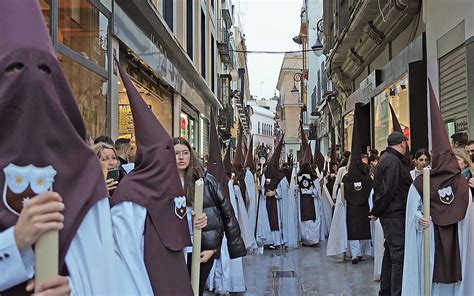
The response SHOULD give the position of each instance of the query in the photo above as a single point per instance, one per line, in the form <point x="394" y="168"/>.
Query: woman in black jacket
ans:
<point x="220" y="215"/>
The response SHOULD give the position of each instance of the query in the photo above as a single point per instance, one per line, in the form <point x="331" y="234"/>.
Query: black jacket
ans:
<point x="220" y="219"/>
<point x="392" y="181"/>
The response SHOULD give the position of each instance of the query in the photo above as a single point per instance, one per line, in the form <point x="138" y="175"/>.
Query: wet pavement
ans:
<point x="307" y="271"/>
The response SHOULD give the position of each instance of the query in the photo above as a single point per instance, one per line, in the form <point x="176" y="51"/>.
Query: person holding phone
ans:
<point x="109" y="161"/>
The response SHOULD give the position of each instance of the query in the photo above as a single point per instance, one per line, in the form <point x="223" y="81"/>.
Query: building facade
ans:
<point x="450" y="60"/>
<point x="263" y="125"/>
<point x="376" y="57"/>
<point x="291" y="104"/>
<point x="172" y="51"/>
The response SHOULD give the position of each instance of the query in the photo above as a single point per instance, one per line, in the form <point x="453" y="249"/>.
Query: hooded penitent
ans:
<point x="238" y="165"/>
<point x="357" y="187"/>
<point x="154" y="184"/>
<point x="273" y="176"/>
<point x="449" y="193"/>
<point x="215" y="166"/>
<point x="332" y="163"/>
<point x="398" y="128"/>
<point x="304" y="144"/>
<point x="228" y="163"/>
<point x="249" y="158"/>
<point x="43" y="135"/>
<point x="318" y="157"/>
<point x="306" y="177"/>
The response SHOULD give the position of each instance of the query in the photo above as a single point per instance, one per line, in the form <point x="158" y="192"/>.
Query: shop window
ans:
<point x="188" y="128"/>
<point x="168" y="13"/>
<point x="397" y="95"/>
<point x="348" y="128"/>
<point x="90" y="92"/>
<point x="213" y="65"/>
<point x="159" y="103"/>
<point x="84" y="29"/>
<point x="203" y="45"/>
<point x="189" y="29"/>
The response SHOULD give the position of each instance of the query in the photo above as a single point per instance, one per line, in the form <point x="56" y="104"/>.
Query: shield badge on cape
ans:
<point x="25" y="182"/>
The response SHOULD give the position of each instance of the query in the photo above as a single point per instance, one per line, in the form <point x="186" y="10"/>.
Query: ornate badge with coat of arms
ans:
<point x="25" y="182"/>
<point x="180" y="207"/>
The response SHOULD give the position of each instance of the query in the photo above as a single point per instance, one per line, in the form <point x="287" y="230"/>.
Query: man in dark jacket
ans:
<point x="392" y="181"/>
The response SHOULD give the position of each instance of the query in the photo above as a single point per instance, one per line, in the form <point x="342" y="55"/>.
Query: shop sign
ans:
<point x="461" y="125"/>
<point x="125" y="124"/>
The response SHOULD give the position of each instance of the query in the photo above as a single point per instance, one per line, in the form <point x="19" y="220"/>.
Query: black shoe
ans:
<point x="359" y="258"/>
<point x="355" y="260"/>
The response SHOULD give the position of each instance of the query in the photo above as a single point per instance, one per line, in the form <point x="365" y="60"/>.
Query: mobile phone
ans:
<point x="113" y="174"/>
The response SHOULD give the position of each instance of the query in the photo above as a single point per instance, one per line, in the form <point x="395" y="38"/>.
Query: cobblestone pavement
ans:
<point x="307" y="271"/>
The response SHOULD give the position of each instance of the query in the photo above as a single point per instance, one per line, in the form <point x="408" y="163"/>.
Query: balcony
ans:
<point x="223" y="45"/>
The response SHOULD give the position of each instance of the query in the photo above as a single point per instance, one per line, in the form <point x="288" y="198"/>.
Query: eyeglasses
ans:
<point x="182" y="153"/>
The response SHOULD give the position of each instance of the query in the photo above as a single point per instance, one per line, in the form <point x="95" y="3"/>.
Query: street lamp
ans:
<point x="318" y="47"/>
<point x="296" y="78"/>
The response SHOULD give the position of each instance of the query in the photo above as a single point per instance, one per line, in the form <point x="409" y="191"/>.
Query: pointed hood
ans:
<point x="238" y="163"/>
<point x="357" y="181"/>
<point x="304" y="143"/>
<point x="356" y="149"/>
<point x="244" y="147"/>
<point x="227" y="162"/>
<point x="333" y="154"/>
<point x="42" y="129"/>
<point x="215" y="166"/>
<point x="449" y="199"/>
<point x="445" y="173"/>
<point x="307" y="156"/>
<point x="249" y="158"/>
<point x="155" y="184"/>
<point x="273" y="174"/>
<point x="398" y="128"/>
<point x="395" y="123"/>
<point x="318" y="157"/>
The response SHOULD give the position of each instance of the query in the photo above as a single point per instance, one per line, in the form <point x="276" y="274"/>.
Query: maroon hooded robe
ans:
<point x="40" y="122"/>
<point x="447" y="208"/>
<point x="154" y="183"/>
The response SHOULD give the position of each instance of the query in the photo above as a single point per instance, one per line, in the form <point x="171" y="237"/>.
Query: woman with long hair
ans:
<point x="220" y="215"/>
<point x="422" y="159"/>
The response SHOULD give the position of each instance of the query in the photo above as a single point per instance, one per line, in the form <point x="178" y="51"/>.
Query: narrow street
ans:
<point x="307" y="271"/>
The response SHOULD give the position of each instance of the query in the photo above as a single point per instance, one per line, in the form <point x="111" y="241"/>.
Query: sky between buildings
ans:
<point x="268" y="25"/>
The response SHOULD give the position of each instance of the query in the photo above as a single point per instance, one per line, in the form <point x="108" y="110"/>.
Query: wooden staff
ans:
<point x="195" y="263"/>
<point x="342" y="191"/>
<point x="47" y="256"/>
<point x="328" y="196"/>
<point x="426" y="232"/>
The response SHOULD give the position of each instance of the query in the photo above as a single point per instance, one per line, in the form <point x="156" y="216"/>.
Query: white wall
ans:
<point x="315" y="13"/>
<point x="440" y="17"/>
<point x="261" y="115"/>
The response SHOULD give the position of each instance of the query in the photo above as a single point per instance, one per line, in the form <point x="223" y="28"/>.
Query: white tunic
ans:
<point x="337" y="240"/>
<point x="327" y="205"/>
<point x="376" y="232"/>
<point x="129" y="227"/>
<point x="264" y="234"/>
<point x="413" y="261"/>
<point x="252" y="207"/>
<point x="311" y="231"/>
<point x="243" y="218"/>
<point x="288" y="214"/>
<point x="92" y="244"/>
<point x="227" y="275"/>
